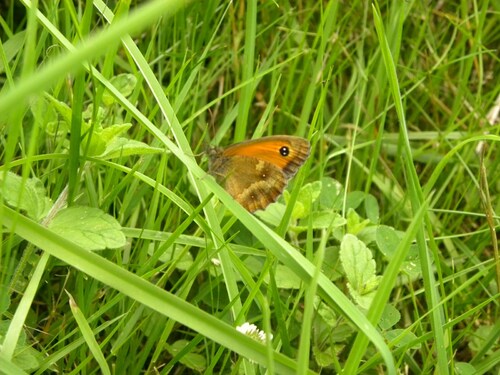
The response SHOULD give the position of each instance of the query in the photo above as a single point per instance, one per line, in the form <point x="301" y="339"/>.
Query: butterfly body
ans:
<point x="256" y="172"/>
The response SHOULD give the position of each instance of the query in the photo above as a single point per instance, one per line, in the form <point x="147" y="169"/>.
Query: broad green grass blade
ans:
<point x="142" y="291"/>
<point x="10" y="368"/>
<point x="416" y="197"/>
<point x="88" y="335"/>
<point x="95" y="46"/>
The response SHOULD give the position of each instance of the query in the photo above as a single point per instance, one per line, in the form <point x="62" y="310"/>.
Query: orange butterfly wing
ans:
<point x="256" y="172"/>
<point x="286" y="152"/>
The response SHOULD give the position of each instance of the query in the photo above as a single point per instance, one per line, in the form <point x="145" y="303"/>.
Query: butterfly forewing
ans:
<point x="256" y="172"/>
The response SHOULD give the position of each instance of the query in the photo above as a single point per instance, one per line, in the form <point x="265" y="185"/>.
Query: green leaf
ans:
<point x="109" y="133"/>
<point x="4" y="327"/>
<point x="4" y="299"/>
<point x="359" y="267"/>
<point x="11" y="48"/>
<point x="101" y="138"/>
<point x="387" y="239"/>
<point x="60" y="107"/>
<point x="97" y="117"/>
<point x="308" y="194"/>
<point x="363" y="300"/>
<point x="272" y="214"/>
<point x="368" y="234"/>
<point x="479" y="337"/>
<point x="28" y="196"/>
<point x="402" y="338"/>
<point x="331" y="194"/>
<point x="326" y="312"/>
<point x="285" y="278"/>
<point x="389" y="318"/>
<point x="25" y="357"/>
<point x="106" y="143"/>
<point x="57" y="129"/>
<point x="354" y="222"/>
<point x="330" y="266"/>
<point x="464" y="368"/>
<point x="327" y="220"/>
<point x="325" y="358"/>
<point x="412" y="265"/>
<point x="45" y="115"/>
<point x="321" y="220"/>
<point x="88" y="227"/>
<point x="354" y="199"/>
<point x="125" y="83"/>
<point x="372" y="209"/>
<point x="182" y="263"/>
<point x="191" y="360"/>
<point x="96" y="147"/>
<point x="120" y="147"/>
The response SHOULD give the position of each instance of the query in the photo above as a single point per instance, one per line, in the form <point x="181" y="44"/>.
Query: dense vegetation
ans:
<point x="120" y="254"/>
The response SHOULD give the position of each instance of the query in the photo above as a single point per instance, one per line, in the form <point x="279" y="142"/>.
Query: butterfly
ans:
<point x="256" y="172"/>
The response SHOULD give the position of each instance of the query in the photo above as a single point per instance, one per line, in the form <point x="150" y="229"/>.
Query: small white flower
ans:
<point x="215" y="262"/>
<point x="252" y="331"/>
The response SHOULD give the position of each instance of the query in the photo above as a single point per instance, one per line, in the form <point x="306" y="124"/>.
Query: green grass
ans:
<point x="386" y="258"/>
